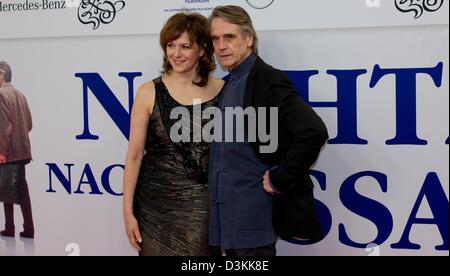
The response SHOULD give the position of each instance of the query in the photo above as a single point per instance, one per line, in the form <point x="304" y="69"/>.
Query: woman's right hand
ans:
<point x="133" y="233"/>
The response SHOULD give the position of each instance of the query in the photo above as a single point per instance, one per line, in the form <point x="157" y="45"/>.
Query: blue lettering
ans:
<point x="105" y="179"/>
<point x="439" y="205"/>
<point x="346" y="103"/>
<point x="87" y="178"/>
<point x="90" y="181"/>
<point x="366" y="208"/>
<point x="98" y="87"/>
<point x="65" y="181"/>
<point x="406" y="89"/>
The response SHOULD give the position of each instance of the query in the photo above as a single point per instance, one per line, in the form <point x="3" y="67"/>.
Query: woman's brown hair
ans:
<point x="194" y="24"/>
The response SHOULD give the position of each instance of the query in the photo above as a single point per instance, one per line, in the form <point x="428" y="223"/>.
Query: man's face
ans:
<point x="231" y="46"/>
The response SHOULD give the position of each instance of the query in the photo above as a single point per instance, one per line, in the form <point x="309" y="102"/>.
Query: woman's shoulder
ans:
<point x="147" y="88"/>
<point x="146" y="92"/>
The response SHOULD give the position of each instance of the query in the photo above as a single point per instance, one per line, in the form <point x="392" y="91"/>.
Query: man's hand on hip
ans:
<point x="266" y="184"/>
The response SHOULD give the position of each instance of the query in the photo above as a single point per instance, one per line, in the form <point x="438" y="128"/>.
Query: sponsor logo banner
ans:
<point x="53" y="18"/>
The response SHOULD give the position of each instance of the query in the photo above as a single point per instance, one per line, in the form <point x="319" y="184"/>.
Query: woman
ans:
<point x="165" y="183"/>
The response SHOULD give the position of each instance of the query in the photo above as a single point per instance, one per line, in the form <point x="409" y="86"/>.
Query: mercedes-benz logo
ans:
<point x="260" y="4"/>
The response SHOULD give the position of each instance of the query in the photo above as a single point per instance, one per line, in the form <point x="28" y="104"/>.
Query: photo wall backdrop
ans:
<point x="376" y="71"/>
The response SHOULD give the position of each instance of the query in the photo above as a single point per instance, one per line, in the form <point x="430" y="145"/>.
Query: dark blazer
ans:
<point x="301" y="135"/>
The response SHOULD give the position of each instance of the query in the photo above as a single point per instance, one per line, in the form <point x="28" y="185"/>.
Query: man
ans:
<point x="247" y="186"/>
<point x="15" y="149"/>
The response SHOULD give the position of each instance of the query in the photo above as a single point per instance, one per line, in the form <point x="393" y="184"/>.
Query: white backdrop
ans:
<point x="51" y="18"/>
<point x="44" y="68"/>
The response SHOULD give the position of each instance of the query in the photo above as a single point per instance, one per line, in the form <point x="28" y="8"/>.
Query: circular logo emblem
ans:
<point x="260" y="4"/>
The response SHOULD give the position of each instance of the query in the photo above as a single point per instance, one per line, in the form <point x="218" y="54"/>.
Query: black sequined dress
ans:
<point x="171" y="199"/>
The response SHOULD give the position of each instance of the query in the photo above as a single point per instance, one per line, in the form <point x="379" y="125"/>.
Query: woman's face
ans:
<point x="182" y="54"/>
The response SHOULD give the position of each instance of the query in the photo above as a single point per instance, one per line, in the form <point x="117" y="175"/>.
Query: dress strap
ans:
<point x="162" y="96"/>
<point x="157" y="80"/>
